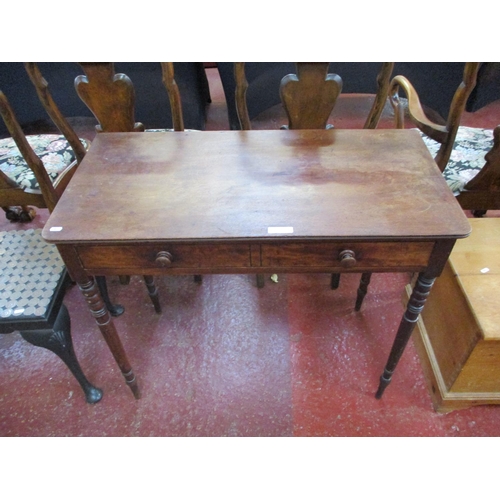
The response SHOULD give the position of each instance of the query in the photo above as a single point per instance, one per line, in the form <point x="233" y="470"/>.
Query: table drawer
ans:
<point x="164" y="256"/>
<point x="357" y="255"/>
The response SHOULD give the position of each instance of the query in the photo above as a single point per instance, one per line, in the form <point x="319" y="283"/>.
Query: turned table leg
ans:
<point x="415" y="305"/>
<point x="335" y="281"/>
<point x="153" y="292"/>
<point x="103" y="319"/>
<point x="114" y="309"/>
<point x="362" y="290"/>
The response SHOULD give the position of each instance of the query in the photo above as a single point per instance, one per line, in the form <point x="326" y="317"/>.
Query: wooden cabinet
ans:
<point x="458" y="333"/>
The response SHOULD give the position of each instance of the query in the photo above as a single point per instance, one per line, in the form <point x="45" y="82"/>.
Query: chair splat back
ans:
<point x="110" y="96"/>
<point x="309" y="96"/>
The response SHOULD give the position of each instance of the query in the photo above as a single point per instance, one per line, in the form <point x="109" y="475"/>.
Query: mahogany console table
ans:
<point x="283" y="201"/>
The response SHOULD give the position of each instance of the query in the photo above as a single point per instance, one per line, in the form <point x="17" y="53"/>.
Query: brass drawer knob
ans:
<point x="347" y="258"/>
<point x="164" y="259"/>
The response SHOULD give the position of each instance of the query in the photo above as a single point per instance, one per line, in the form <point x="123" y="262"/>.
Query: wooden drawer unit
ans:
<point x="458" y="332"/>
<point x="163" y="256"/>
<point x="355" y="256"/>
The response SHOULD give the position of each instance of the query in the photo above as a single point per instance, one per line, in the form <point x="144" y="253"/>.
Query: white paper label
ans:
<point x="280" y="230"/>
<point x="485" y="270"/>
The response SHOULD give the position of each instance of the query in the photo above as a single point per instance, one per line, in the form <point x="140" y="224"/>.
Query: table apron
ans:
<point x="247" y="258"/>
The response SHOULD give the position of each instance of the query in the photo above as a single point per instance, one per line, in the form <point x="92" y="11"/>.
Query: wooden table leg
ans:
<point x="103" y="319"/>
<point x="415" y="305"/>
<point x="362" y="290"/>
<point x="153" y="292"/>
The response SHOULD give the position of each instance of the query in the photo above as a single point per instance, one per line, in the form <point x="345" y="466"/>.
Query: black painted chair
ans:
<point x="33" y="282"/>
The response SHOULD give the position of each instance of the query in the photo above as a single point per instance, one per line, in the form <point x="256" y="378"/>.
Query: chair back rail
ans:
<point x="309" y="96"/>
<point x="34" y="163"/>
<point x="42" y="90"/>
<point x="173" y="95"/>
<point x="443" y="133"/>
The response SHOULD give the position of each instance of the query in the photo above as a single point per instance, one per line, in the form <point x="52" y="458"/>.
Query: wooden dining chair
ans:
<point x="33" y="278"/>
<point x="309" y="97"/>
<point x="47" y="190"/>
<point x="459" y="151"/>
<point x="60" y="154"/>
<point x="110" y="96"/>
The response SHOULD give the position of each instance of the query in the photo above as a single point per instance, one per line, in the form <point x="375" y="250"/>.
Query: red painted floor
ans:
<point x="227" y="359"/>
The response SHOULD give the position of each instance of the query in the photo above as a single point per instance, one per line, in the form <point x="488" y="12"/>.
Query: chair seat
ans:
<point x="33" y="280"/>
<point x="54" y="151"/>
<point x="32" y="272"/>
<point x="467" y="157"/>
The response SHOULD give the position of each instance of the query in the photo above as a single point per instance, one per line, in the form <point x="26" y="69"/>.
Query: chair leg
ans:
<point x="363" y="288"/>
<point x="124" y="280"/>
<point x="19" y="214"/>
<point x="117" y="309"/>
<point x="58" y="340"/>
<point x="335" y="281"/>
<point x="478" y="213"/>
<point x="114" y="309"/>
<point x="153" y="292"/>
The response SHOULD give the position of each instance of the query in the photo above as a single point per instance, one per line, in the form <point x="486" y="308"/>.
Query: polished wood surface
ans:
<point x="308" y="98"/>
<point x="253" y="202"/>
<point x="226" y="185"/>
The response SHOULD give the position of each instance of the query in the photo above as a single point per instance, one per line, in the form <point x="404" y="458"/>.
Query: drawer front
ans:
<point x="165" y="256"/>
<point x="351" y="256"/>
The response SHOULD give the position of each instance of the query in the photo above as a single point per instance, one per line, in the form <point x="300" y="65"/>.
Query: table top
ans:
<point x="260" y="184"/>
